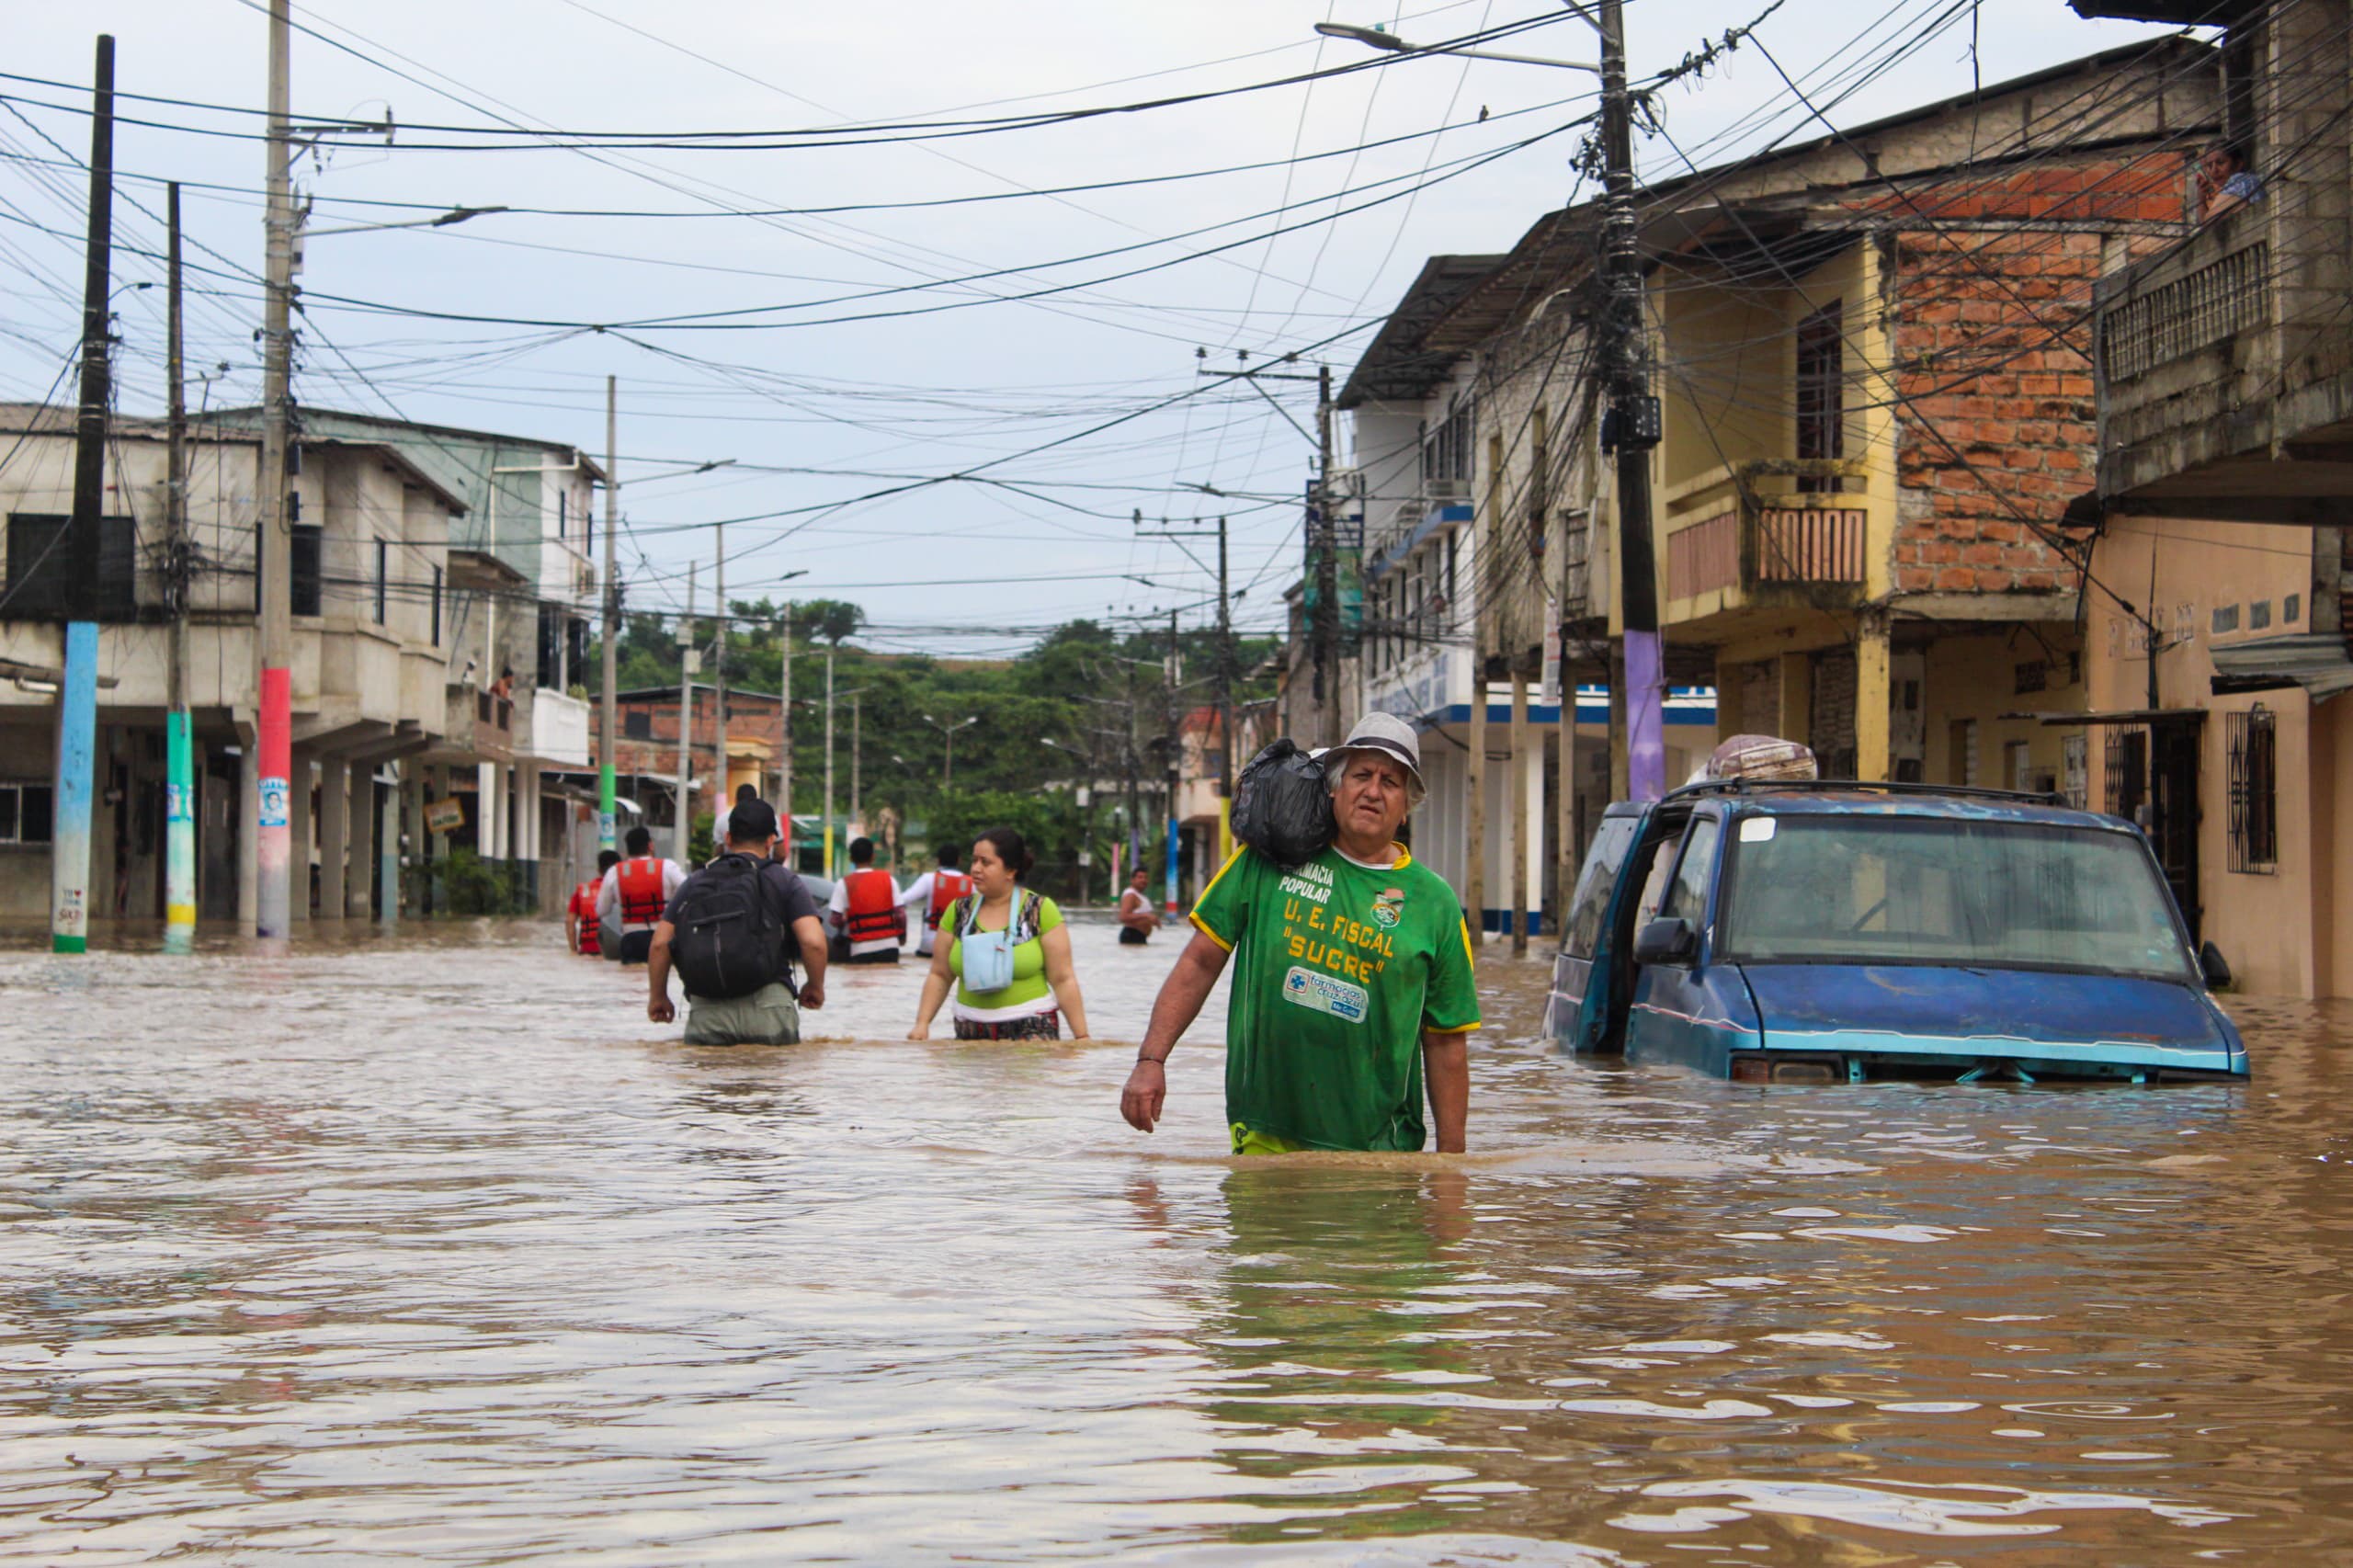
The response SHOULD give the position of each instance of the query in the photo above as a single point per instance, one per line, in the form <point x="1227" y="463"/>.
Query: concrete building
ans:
<point x="371" y="667"/>
<point x="2217" y="652"/>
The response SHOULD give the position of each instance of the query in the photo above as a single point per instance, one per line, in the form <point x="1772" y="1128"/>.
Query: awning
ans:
<point x="2317" y="660"/>
<point x="1394" y="556"/>
<point x="2132" y="716"/>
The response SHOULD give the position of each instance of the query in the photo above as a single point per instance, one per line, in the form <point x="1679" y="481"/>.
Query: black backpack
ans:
<point x="729" y="939"/>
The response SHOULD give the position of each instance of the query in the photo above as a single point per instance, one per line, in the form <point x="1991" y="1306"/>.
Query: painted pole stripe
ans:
<point x="179" y="832"/>
<point x="274" y="843"/>
<point x="78" y="734"/>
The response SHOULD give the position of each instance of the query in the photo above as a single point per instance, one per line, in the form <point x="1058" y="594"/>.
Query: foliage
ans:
<point x="702" y="839"/>
<point x="463" y="883"/>
<point x="1097" y="692"/>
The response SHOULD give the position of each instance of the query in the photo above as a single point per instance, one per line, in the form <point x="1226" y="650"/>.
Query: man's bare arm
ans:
<point x="1178" y="1004"/>
<point x="1446" y="1066"/>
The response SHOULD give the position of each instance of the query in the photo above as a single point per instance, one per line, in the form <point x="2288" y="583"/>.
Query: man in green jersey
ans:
<point x="1352" y="976"/>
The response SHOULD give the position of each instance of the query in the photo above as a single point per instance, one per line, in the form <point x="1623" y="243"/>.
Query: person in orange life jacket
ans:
<point x="580" y="927"/>
<point x="638" y="889"/>
<point x="767" y="1014"/>
<point x="932" y="893"/>
<point x="1138" y="919"/>
<point x="865" y="907"/>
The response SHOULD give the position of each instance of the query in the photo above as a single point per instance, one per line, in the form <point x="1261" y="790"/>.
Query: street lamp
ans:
<point x="1378" y="38"/>
<point x="948" y="739"/>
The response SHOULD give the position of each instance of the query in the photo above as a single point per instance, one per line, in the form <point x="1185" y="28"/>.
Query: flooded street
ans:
<point x="430" y="1247"/>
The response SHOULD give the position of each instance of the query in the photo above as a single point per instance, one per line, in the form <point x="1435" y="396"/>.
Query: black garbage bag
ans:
<point x="1282" y="807"/>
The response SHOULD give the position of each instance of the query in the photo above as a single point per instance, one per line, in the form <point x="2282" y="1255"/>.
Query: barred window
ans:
<point x="2254" y="791"/>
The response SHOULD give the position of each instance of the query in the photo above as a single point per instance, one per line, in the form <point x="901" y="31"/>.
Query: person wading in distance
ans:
<point x="865" y="907"/>
<point x="934" y="891"/>
<point x="637" y="890"/>
<point x="581" y="926"/>
<point x="1138" y="919"/>
<point x="1352" y="979"/>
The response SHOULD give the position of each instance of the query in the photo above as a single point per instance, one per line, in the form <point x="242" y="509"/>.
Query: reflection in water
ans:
<point x="428" y="1245"/>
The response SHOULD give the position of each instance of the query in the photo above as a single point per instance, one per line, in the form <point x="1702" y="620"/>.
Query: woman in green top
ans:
<point x="1044" y="986"/>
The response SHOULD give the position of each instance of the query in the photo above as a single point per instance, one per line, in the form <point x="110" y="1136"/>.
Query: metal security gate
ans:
<point x="2151" y="769"/>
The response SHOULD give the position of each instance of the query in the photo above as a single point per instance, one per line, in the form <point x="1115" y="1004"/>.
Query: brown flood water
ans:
<point x="430" y="1247"/>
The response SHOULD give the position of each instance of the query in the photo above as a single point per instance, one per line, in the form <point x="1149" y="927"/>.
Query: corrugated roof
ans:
<point x="2317" y="660"/>
<point x="1396" y="366"/>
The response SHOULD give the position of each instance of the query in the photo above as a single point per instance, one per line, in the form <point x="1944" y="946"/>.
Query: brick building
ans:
<point x="645" y="752"/>
<point x="1871" y="350"/>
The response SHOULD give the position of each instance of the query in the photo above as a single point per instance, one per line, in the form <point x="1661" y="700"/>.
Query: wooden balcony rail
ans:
<point x="1746" y="547"/>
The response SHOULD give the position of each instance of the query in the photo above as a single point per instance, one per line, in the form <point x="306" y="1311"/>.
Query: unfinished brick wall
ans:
<point x="1997" y="432"/>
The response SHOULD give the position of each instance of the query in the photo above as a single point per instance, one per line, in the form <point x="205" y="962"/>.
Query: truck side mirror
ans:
<point x="2213" y="967"/>
<point x="1667" y="941"/>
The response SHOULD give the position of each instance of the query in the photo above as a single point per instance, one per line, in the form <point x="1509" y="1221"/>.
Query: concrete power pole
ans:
<point x="687" y="662"/>
<point x="1327" y="570"/>
<point x="77" y="690"/>
<point x="784" y="747"/>
<point x="179" y="754"/>
<point x="829" y="867"/>
<point x="1175" y="758"/>
<point x="856" y="736"/>
<point x="1631" y="423"/>
<point x="274" y="721"/>
<point x="609" y="703"/>
<point x="719" y="676"/>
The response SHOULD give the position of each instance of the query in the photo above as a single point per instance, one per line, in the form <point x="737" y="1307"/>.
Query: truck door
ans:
<point x="1601" y="1017"/>
<point x="1589" y="911"/>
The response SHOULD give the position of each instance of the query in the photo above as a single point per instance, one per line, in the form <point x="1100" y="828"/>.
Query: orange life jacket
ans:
<point x="641" y="898"/>
<point x="874" y="911"/>
<point x="583" y="904"/>
<point x="946" y="887"/>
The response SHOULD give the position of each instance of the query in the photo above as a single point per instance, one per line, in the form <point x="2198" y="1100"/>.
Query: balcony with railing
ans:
<point x="1764" y="536"/>
<point x="2225" y="367"/>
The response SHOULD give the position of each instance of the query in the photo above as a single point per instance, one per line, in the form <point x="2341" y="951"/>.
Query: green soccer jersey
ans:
<point x="1337" y="969"/>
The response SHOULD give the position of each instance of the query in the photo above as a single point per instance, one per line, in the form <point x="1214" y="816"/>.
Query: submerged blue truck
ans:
<point x="1842" y="933"/>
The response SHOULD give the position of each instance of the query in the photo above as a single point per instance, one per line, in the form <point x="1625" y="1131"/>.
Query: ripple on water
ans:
<point x="429" y="1246"/>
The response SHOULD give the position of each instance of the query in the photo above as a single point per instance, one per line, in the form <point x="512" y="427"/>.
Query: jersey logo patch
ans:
<point x="1319" y="993"/>
<point x="1388" y="906"/>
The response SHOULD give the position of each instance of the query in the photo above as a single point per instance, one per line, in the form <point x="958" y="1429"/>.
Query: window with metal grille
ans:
<point x="637" y="725"/>
<point x="1821" y="390"/>
<point x="575" y="648"/>
<point x="437" y="606"/>
<point x="41" y="570"/>
<point x="383" y="574"/>
<point x="2254" y="793"/>
<point x="550" y="649"/>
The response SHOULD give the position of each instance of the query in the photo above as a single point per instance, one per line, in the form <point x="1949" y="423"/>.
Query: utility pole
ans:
<point x="1631" y="423"/>
<point x="686" y="662"/>
<point x="856" y="736"/>
<point x="179" y="741"/>
<point x="610" y="704"/>
<point x="1224" y="672"/>
<point x="274" y="721"/>
<point x="1175" y="758"/>
<point x="830" y="651"/>
<point x="78" y="691"/>
<point x="1327" y="572"/>
<point x="719" y="677"/>
<point x="784" y="746"/>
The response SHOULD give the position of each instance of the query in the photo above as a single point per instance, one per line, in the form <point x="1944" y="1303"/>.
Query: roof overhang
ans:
<point x="2316" y="661"/>
<point x="1396" y="366"/>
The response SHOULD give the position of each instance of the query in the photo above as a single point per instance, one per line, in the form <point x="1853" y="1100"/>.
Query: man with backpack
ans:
<point x="729" y="932"/>
<point x="933" y="892"/>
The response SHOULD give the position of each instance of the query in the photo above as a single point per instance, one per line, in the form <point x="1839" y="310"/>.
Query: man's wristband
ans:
<point x="1142" y="1056"/>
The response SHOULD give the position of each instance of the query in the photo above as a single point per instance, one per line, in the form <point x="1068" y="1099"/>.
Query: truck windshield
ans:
<point x="1940" y="891"/>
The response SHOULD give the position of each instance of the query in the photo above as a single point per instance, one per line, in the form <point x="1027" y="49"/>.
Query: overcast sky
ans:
<point x="906" y="395"/>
